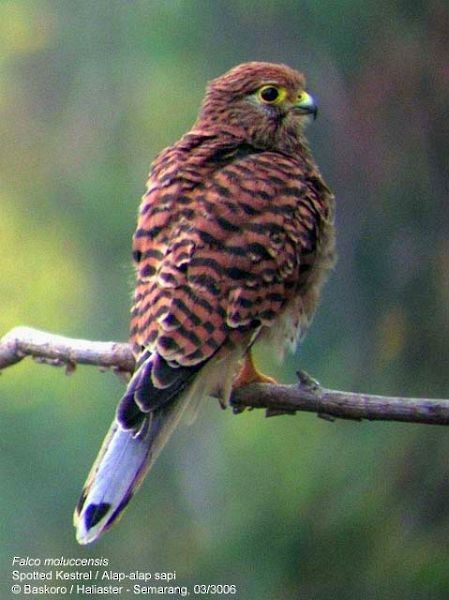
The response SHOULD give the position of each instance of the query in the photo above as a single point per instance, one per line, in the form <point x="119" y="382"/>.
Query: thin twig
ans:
<point x="307" y="395"/>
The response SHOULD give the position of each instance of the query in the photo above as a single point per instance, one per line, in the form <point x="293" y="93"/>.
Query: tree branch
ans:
<point x="58" y="351"/>
<point x="307" y="395"/>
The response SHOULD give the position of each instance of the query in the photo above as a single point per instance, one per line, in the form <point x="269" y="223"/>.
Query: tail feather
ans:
<point x="153" y="404"/>
<point x="123" y="461"/>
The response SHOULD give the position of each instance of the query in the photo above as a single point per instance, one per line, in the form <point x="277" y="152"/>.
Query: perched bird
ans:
<point x="234" y="239"/>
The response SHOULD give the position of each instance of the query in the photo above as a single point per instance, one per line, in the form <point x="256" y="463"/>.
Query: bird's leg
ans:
<point x="249" y="374"/>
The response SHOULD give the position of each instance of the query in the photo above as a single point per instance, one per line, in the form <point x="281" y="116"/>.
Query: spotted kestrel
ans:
<point x="234" y="240"/>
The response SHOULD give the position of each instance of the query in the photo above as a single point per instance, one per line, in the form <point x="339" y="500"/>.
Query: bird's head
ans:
<point x="266" y="103"/>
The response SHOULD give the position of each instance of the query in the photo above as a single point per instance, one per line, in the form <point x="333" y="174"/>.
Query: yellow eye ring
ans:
<point x="271" y="94"/>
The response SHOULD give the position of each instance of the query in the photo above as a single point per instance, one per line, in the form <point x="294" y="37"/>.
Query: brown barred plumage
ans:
<point x="233" y="242"/>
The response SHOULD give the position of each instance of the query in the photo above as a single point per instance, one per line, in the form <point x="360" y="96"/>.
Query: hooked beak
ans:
<point x="306" y="105"/>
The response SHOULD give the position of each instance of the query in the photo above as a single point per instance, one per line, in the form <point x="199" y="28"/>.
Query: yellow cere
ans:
<point x="304" y="100"/>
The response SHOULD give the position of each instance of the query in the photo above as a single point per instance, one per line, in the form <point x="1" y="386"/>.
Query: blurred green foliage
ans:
<point x="284" y="508"/>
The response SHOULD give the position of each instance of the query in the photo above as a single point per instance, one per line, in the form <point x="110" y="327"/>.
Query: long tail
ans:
<point x="121" y="465"/>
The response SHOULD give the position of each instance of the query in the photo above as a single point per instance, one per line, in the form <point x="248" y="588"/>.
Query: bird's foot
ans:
<point x="249" y="374"/>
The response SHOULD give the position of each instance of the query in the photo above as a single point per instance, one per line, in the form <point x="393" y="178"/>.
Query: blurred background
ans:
<point x="289" y="507"/>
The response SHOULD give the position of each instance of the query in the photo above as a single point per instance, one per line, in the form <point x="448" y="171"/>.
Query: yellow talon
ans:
<point x="249" y="374"/>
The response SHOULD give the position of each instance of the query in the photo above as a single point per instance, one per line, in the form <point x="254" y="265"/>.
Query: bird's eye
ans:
<point x="271" y="94"/>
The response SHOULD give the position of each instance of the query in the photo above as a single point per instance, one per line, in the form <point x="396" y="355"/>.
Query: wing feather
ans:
<point x="225" y="259"/>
